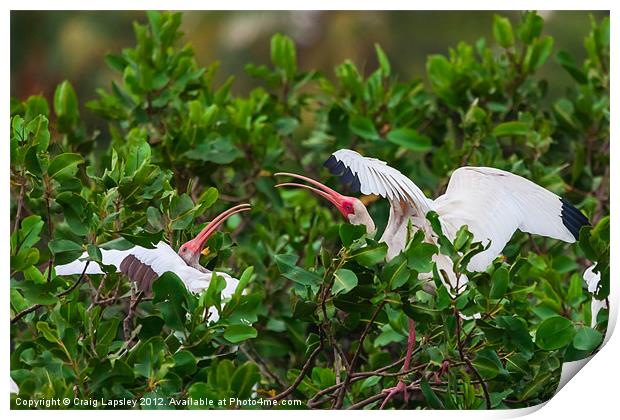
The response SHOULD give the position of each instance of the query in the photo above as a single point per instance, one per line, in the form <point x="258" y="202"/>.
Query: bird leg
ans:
<point x="401" y="386"/>
<point x="445" y="366"/>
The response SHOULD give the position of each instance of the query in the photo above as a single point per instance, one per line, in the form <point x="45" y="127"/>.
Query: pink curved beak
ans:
<point x="323" y="190"/>
<point x="205" y="233"/>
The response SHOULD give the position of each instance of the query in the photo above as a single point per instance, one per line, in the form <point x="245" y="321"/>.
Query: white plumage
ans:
<point x="592" y="280"/>
<point x="491" y="202"/>
<point x="378" y="178"/>
<point x="160" y="259"/>
<point x="494" y="204"/>
<point x="142" y="265"/>
<point x="14" y="389"/>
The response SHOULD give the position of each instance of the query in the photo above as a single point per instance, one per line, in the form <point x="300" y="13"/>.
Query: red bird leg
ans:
<point x="401" y="386"/>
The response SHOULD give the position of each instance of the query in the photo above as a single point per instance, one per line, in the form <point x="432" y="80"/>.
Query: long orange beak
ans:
<point x="205" y="233"/>
<point x="323" y="190"/>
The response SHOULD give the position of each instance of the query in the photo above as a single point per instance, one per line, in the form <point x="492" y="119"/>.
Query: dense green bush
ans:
<point x="319" y="298"/>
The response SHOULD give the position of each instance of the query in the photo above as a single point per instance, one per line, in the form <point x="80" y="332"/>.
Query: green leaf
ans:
<point x="344" y="281"/>
<point x="239" y="332"/>
<point x="221" y="151"/>
<point x="286" y="126"/>
<point x="47" y="332"/>
<point x="170" y="296"/>
<point x="587" y="339"/>
<point x="502" y="31"/>
<point x="40" y="132"/>
<point x="363" y="127"/>
<point x="286" y="266"/>
<point x="181" y="214"/>
<point x="284" y="55"/>
<point x="370" y="255"/>
<point x="387" y="336"/>
<point x="488" y="364"/>
<point x="463" y="238"/>
<point x="516" y="333"/>
<point x="498" y="397"/>
<point x="499" y="283"/>
<point x="206" y="200"/>
<point x="349" y="233"/>
<point x="244" y="280"/>
<point x="244" y="379"/>
<point x="396" y="273"/>
<point x="184" y="363"/>
<point x="537" y="54"/>
<point x="554" y="333"/>
<point x="151" y="326"/>
<point x="36" y="107"/>
<point x="441" y="74"/>
<point x="410" y="139"/>
<point x="420" y="257"/>
<point x="530" y="28"/>
<point x="370" y="382"/>
<point x="104" y="374"/>
<point x="65" y="102"/>
<point x="512" y="128"/>
<point x="486" y="367"/>
<point x="64" y="250"/>
<point x="384" y="63"/>
<point x="64" y="166"/>
<point x="141" y="238"/>
<point x="568" y="63"/>
<point x="106" y="333"/>
<point x="28" y="234"/>
<point x="139" y="154"/>
<point x="31" y="160"/>
<point x="429" y="395"/>
<point x="116" y="62"/>
<point x="534" y="385"/>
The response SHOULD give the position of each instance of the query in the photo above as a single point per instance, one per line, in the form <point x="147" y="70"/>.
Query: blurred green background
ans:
<point x="48" y="47"/>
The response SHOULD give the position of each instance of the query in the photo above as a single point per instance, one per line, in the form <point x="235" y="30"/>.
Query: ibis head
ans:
<point x="353" y="210"/>
<point x="190" y="251"/>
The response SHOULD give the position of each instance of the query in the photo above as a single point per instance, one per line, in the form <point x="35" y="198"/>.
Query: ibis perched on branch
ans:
<point x="143" y="265"/>
<point x="491" y="202"/>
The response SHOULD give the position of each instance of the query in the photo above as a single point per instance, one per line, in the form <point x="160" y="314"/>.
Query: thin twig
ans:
<point x="347" y="379"/>
<point x="303" y="372"/>
<point x="262" y="366"/>
<point x="367" y="401"/>
<point x="381" y="395"/>
<point x="20" y="205"/>
<point x="33" y="308"/>
<point x="465" y="359"/>
<point x="133" y="303"/>
<point x="358" y="376"/>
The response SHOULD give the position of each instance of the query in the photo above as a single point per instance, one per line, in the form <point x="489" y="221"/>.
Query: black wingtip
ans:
<point x="347" y="177"/>
<point x="337" y="169"/>
<point x="572" y="218"/>
<point x="356" y="185"/>
<point x="331" y="162"/>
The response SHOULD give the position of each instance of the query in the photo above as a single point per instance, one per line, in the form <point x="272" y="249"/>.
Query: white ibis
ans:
<point x="13" y="387"/>
<point x="491" y="202"/>
<point x="143" y="265"/>
<point x="592" y="280"/>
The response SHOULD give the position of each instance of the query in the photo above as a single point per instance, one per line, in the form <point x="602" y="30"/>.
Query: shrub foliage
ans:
<point x="323" y="318"/>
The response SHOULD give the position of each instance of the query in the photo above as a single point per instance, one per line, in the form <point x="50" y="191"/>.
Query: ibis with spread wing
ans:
<point x="492" y="203"/>
<point x="142" y="265"/>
